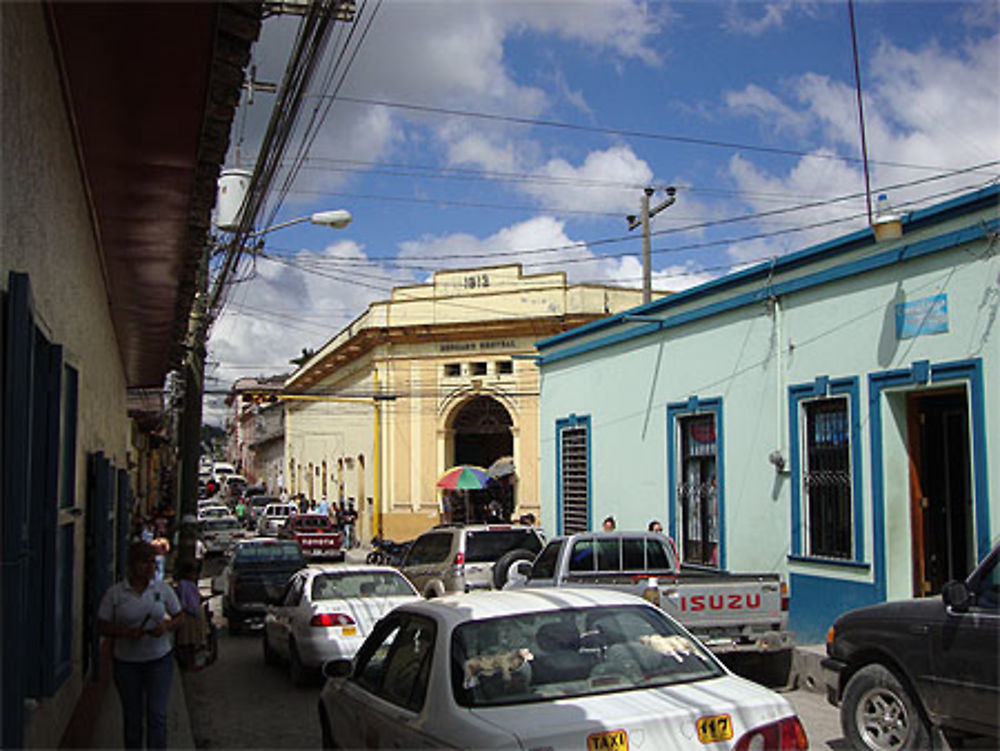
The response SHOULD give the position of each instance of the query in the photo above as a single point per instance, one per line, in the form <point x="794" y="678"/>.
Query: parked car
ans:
<point x="233" y="487"/>
<point x="327" y="611"/>
<point x="212" y="511"/>
<point x="574" y="669"/>
<point x="460" y="558"/>
<point x="256" y="574"/>
<point x="729" y="612"/>
<point x="221" y="533"/>
<point x="904" y="671"/>
<point x="274" y="517"/>
<point x="315" y="534"/>
<point x="255" y="506"/>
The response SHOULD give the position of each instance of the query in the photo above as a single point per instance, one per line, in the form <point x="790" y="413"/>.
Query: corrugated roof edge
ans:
<point x="912" y="221"/>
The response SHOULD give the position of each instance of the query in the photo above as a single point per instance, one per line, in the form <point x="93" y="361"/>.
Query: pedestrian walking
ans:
<point x="199" y="556"/>
<point x="138" y="614"/>
<point x="191" y="632"/>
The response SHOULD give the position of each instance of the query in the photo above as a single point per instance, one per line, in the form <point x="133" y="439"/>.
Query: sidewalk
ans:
<point x="107" y="729"/>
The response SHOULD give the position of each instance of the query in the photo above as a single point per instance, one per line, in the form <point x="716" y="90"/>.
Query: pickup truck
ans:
<point x="729" y="613"/>
<point x="906" y="672"/>
<point x="254" y="577"/>
<point x="274" y="517"/>
<point x="315" y="534"/>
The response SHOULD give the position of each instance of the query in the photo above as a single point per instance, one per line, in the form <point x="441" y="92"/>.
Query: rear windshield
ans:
<point x="216" y="525"/>
<point x="552" y="655"/>
<point x="313" y="523"/>
<point x="489" y="545"/>
<point x="361" y="584"/>
<point x="270" y="552"/>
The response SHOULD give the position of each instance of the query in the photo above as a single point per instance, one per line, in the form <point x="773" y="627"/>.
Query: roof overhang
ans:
<point x="151" y="90"/>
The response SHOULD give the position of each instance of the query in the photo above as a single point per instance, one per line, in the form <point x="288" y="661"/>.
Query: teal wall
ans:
<point x="832" y="330"/>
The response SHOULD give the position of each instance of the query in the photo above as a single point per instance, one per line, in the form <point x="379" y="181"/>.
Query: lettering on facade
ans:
<point x="476" y="281"/>
<point x="478" y="346"/>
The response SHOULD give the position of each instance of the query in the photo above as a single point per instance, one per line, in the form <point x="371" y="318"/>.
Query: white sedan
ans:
<point x="581" y="669"/>
<point x="327" y="611"/>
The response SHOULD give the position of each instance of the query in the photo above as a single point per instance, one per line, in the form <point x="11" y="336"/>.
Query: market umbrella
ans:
<point x="464" y="477"/>
<point x="502" y="467"/>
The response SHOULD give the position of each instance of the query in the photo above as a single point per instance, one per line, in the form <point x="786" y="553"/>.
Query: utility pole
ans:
<point x="645" y="214"/>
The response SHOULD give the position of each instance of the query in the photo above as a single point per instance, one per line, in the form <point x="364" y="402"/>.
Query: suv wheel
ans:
<point x="504" y="562"/>
<point x="879" y="714"/>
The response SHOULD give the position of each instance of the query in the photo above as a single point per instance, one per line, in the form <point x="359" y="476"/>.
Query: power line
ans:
<point x="557" y="124"/>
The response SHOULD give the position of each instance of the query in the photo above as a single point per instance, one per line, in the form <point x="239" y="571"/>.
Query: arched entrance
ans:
<point x="481" y="434"/>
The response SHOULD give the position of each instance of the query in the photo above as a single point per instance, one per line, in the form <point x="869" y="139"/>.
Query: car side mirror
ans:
<point x="956" y="595"/>
<point x="337" y="668"/>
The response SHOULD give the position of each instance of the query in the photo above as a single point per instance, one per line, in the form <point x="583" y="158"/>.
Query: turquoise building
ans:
<point x="831" y="415"/>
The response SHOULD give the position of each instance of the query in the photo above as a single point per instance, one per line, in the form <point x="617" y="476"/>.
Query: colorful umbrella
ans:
<point x="464" y="477"/>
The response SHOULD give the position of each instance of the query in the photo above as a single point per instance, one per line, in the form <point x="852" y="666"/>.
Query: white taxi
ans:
<point x="581" y="670"/>
<point x="327" y="611"/>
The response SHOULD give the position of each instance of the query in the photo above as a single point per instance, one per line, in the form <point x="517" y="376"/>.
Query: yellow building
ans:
<point x="441" y="374"/>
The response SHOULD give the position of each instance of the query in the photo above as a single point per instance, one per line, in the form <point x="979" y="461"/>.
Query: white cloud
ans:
<point x="300" y="303"/>
<point x="922" y="107"/>
<point x="764" y="105"/>
<point x="771" y="15"/>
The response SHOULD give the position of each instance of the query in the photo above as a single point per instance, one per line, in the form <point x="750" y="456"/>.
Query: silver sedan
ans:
<point x="327" y="611"/>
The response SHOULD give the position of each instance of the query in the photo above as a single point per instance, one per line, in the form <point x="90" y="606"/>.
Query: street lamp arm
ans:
<point x="337" y="218"/>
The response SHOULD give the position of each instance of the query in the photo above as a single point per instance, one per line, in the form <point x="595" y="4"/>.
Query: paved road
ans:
<point x="239" y="702"/>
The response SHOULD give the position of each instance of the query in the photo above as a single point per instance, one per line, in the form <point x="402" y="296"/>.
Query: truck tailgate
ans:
<point x="727" y="601"/>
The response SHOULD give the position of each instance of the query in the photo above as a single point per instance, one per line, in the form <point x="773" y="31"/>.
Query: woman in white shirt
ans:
<point x="139" y="613"/>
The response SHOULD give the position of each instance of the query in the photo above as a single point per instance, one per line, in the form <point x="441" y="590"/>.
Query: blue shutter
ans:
<point x="19" y="343"/>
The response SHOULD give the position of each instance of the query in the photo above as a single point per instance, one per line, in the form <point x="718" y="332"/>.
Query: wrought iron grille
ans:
<point x="827" y="478"/>
<point x="575" y="485"/>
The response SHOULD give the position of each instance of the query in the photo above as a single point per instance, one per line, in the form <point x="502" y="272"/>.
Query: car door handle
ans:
<point x="918" y="629"/>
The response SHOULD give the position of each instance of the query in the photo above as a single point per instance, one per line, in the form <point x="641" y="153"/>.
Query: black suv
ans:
<point x="458" y="558"/>
<point x="904" y="671"/>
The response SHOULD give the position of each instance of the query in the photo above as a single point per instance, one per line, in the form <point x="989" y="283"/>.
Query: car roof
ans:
<point x="350" y="568"/>
<point x="459" y="608"/>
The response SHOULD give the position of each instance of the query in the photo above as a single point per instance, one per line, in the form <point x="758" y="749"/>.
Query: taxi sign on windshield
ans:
<point x="612" y="740"/>
<point x="713" y="728"/>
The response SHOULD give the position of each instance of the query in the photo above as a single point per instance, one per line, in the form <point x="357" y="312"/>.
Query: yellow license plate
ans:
<point x="613" y="740"/>
<point x="718" y="727"/>
<point x="349" y="631"/>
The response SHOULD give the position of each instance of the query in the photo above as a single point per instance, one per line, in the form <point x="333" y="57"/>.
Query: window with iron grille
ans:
<point x="575" y="477"/>
<point x="827" y="477"/>
<point x="697" y="492"/>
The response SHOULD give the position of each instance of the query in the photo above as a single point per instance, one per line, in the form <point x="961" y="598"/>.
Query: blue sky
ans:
<point x="571" y="107"/>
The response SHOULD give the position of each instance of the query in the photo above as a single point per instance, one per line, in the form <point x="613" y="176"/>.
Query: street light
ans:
<point x="645" y="214"/>
<point x="336" y="218"/>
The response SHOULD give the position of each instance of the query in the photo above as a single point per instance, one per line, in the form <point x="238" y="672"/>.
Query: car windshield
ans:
<point x="532" y="657"/>
<point x="360" y="584"/>
<point x="271" y="552"/>
<point x="488" y="545"/>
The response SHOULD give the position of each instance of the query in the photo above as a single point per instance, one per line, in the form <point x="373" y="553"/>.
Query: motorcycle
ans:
<point x="387" y="552"/>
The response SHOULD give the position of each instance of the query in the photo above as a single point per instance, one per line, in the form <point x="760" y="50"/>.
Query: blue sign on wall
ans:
<point x="926" y="316"/>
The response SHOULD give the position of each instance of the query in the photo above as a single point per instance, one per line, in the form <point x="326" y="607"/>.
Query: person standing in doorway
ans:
<point x="350" y="519"/>
<point x="139" y="613"/>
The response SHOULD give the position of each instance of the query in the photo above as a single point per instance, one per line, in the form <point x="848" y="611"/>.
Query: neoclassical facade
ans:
<point x="440" y="374"/>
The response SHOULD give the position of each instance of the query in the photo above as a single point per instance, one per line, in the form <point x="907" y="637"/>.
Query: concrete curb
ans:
<point x="807" y="673"/>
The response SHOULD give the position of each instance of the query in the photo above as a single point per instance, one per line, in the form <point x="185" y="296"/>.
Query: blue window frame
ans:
<point x="696" y="481"/>
<point x="573" y="478"/>
<point x="827" y="521"/>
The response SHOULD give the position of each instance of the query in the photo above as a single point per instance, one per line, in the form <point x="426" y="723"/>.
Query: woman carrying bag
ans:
<point x="139" y="613"/>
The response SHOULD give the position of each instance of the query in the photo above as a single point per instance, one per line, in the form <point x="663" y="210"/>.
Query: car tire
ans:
<point x="298" y="672"/>
<point x="879" y="714"/>
<point x="504" y="562"/>
<point x="374" y="558"/>
<point x="270" y="656"/>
